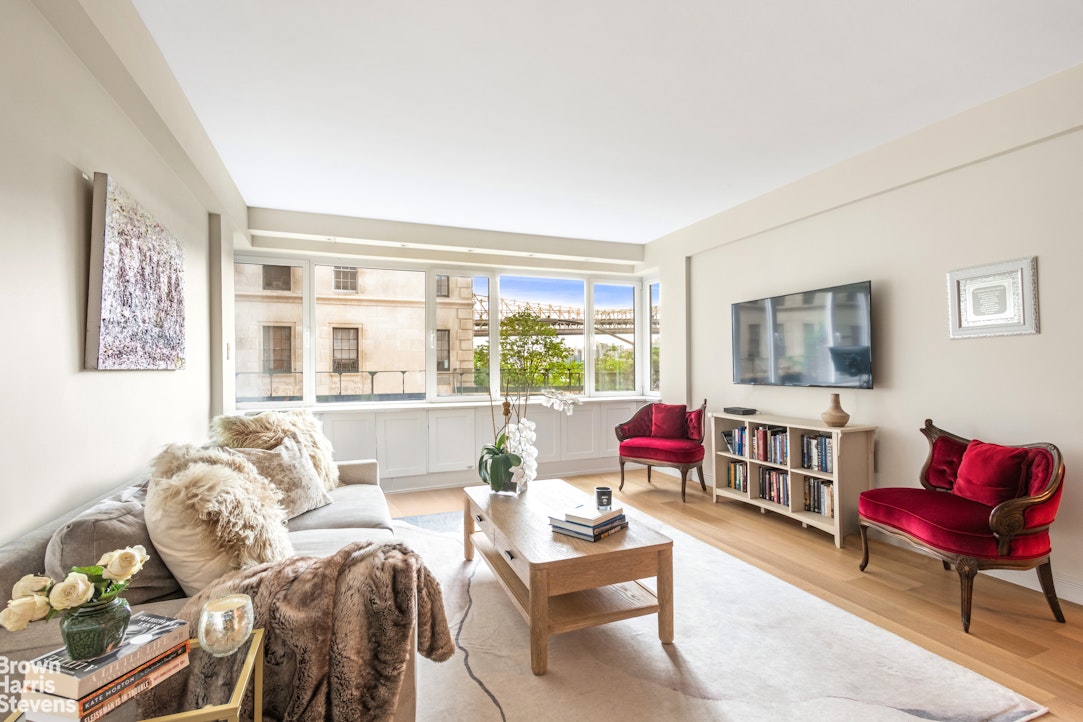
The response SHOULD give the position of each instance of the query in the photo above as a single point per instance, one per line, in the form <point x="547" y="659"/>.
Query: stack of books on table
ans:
<point x="586" y="522"/>
<point x="59" y="689"/>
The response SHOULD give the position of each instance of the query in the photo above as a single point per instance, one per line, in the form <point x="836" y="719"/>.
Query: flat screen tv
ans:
<point x="812" y="338"/>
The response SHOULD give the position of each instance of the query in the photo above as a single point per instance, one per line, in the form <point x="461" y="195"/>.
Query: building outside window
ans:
<point x="277" y="278"/>
<point x="443" y="349"/>
<point x="268" y="296"/>
<point x="345" y="279"/>
<point x="277" y="349"/>
<point x="443" y="286"/>
<point x="344" y="350"/>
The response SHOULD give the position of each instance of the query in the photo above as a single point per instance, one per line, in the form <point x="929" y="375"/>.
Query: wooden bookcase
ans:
<point x="774" y="452"/>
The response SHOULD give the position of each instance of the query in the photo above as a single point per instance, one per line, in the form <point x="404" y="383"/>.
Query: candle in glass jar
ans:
<point x="225" y="624"/>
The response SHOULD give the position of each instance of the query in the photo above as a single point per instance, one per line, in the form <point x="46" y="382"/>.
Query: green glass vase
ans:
<point x="96" y="628"/>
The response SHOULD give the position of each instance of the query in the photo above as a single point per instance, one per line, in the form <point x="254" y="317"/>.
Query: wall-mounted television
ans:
<point x="813" y="338"/>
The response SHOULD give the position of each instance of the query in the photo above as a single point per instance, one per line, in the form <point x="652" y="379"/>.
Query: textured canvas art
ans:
<point x="135" y="309"/>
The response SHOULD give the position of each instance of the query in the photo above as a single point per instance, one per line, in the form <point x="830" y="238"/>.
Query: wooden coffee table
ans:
<point x="561" y="584"/>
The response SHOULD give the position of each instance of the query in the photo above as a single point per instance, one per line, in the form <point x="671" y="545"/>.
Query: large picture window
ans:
<point x="614" y="337"/>
<point x="310" y="331"/>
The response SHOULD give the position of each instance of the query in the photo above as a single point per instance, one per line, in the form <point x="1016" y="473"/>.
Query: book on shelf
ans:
<point x="592" y="537"/>
<point x="726" y="442"/>
<point x="45" y="707"/>
<point x="148" y="636"/>
<point x="575" y="526"/>
<point x="588" y="514"/>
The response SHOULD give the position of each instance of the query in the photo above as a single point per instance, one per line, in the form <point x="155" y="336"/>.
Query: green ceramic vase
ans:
<point x="95" y="629"/>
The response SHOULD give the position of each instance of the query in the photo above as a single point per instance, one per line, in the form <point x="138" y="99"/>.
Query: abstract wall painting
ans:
<point x="135" y="306"/>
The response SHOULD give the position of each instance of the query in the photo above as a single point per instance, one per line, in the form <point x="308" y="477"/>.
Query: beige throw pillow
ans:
<point x="209" y="512"/>
<point x="267" y="431"/>
<point x="290" y="469"/>
<point x="109" y="525"/>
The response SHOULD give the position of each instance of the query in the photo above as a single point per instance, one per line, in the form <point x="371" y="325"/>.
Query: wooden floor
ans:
<point x="1013" y="637"/>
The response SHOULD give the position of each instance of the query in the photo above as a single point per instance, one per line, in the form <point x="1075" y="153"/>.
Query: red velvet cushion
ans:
<point x="944" y="461"/>
<point x="665" y="451"/>
<point x="668" y="421"/>
<point x="989" y="473"/>
<point x="693" y="421"/>
<point x="945" y="521"/>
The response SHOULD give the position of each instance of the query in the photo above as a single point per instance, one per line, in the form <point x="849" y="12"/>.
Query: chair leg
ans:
<point x="967" y="567"/>
<point x="648" y="473"/>
<point x="702" y="483"/>
<point x="1045" y="577"/>
<point x="947" y="567"/>
<point x="684" y="481"/>
<point x="621" y="487"/>
<point x="864" y="546"/>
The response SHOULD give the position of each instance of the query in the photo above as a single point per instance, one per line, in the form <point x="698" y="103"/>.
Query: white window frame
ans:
<point x="641" y="295"/>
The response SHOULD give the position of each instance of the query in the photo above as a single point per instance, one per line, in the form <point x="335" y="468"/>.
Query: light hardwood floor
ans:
<point x="1013" y="637"/>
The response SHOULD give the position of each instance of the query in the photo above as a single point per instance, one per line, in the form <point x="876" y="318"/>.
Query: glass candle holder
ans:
<point x="225" y="624"/>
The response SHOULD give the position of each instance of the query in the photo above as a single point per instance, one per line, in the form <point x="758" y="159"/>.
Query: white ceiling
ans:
<point x="618" y="120"/>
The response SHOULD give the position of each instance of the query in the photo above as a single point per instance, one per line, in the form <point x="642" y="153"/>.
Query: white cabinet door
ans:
<point x="613" y="414"/>
<point x="401" y="443"/>
<point x="581" y="434"/>
<point x="452" y="441"/>
<point x="353" y="436"/>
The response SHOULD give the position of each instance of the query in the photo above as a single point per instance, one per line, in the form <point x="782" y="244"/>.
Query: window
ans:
<point x="390" y="306"/>
<point x="443" y="349"/>
<point x="277" y="278"/>
<point x="277" y="349"/>
<point x="345" y="279"/>
<point x="312" y="330"/>
<point x="541" y="333"/>
<point x="344" y="350"/>
<point x="614" y="337"/>
<point x="462" y="336"/>
<point x="656" y="337"/>
<point x="268" y="367"/>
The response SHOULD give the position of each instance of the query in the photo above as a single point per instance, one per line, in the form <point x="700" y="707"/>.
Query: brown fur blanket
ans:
<point x="337" y="635"/>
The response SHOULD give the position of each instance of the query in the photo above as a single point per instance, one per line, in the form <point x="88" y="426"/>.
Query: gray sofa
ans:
<point x="359" y="512"/>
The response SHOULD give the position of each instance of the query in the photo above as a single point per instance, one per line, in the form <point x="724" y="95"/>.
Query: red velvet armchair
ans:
<point x="664" y="435"/>
<point x="981" y="506"/>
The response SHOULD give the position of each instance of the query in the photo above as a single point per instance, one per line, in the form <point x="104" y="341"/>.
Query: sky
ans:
<point x="564" y="292"/>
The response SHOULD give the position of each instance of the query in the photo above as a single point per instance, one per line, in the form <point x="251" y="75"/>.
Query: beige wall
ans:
<point x="66" y="434"/>
<point x="996" y="183"/>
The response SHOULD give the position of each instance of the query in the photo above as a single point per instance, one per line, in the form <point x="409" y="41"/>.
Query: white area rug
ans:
<point x="748" y="646"/>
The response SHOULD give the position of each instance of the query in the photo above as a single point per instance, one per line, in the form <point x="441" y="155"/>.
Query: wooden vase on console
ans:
<point x="835" y="416"/>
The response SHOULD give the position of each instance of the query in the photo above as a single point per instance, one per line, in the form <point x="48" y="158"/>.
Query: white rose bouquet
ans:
<point x="36" y="596"/>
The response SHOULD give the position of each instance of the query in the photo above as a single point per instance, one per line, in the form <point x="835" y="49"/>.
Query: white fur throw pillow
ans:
<point x="290" y="469"/>
<point x="209" y="512"/>
<point x="267" y="430"/>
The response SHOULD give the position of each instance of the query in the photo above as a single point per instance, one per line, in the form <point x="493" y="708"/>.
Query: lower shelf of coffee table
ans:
<point x="574" y="610"/>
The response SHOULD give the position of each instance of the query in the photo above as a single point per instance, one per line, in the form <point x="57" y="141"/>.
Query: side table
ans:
<point x="251" y="671"/>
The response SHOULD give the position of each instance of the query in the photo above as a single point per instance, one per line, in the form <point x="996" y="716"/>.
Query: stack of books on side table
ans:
<point x="59" y="689"/>
<point x="586" y="522"/>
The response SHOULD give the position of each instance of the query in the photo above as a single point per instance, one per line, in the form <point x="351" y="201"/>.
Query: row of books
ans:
<point x="817" y="452"/>
<point x="764" y="443"/>
<point x="775" y="486"/>
<point x="735" y="441"/>
<point x="737" y="476"/>
<point x="57" y="688"/>
<point x="819" y="496"/>
<point x="589" y="524"/>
